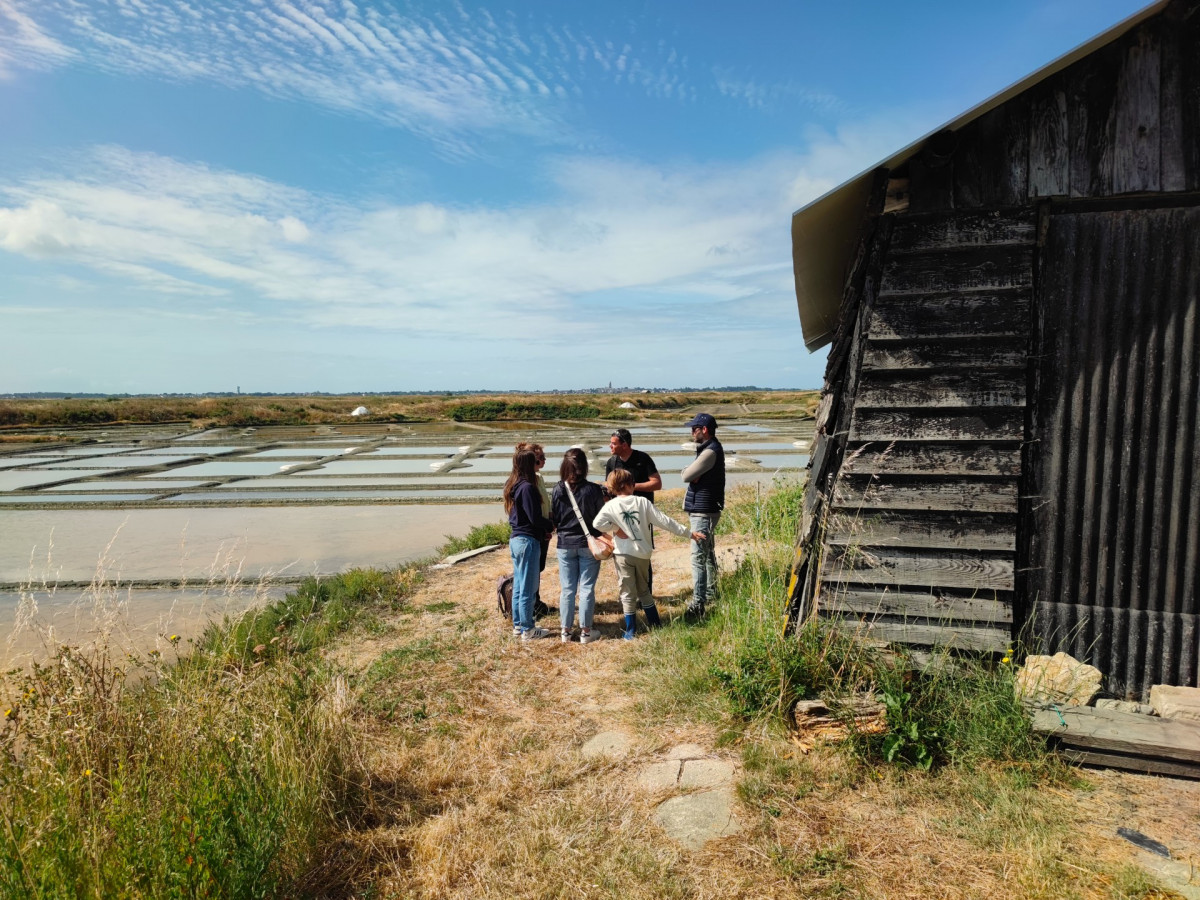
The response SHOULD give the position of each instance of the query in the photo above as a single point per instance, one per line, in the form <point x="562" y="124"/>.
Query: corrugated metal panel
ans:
<point x="1116" y="521"/>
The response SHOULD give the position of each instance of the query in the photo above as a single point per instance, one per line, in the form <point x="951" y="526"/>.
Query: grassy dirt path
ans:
<point x="503" y="769"/>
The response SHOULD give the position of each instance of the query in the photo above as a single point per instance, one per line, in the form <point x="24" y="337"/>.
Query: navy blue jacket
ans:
<point x="590" y="498"/>
<point x="526" y="514"/>
<point x="707" y="493"/>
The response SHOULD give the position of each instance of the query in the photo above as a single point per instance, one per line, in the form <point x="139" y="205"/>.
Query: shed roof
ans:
<point x="825" y="231"/>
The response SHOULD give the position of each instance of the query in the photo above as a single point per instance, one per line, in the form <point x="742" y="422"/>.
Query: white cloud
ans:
<point x="689" y="240"/>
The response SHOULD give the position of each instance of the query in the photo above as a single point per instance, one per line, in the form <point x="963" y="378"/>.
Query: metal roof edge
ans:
<point x="824" y="231"/>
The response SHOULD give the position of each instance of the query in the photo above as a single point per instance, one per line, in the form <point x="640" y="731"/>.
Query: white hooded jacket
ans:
<point x="634" y="515"/>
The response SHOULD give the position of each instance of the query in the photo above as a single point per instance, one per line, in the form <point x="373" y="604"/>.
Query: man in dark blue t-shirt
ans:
<point x="646" y="479"/>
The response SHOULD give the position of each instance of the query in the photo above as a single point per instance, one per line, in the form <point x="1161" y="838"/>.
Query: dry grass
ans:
<point x="479" y="788"/>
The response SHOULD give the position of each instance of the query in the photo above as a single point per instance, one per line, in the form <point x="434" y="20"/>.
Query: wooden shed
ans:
<point x="1008" y="442"/>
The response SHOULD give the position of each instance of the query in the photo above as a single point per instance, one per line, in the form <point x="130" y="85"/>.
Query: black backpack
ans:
<point x="504" y="588"/>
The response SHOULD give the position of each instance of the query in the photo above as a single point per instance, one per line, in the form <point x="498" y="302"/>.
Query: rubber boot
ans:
<point x="652" y="619"/>
<point x="630" y="627"/>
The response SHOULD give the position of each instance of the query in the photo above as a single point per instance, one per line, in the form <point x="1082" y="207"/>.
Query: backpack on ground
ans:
<point x="504" y="592"/>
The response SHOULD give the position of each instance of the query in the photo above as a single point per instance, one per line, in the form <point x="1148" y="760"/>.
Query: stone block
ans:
<point x="1060" y="678"/>
<point x="1172" y="702"/>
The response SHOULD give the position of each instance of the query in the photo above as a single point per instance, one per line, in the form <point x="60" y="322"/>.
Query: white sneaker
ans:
<point x="534" y="633"/>
<point x="565" y="637"/>
<point x="516" y="631"/>
<point x="588" y="636"/>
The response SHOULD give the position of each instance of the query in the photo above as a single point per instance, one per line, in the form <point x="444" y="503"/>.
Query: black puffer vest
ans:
<point x="707" y="493"/>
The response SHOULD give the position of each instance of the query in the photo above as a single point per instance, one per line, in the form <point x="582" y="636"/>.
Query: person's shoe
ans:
<point x="589" y="636"/>
<point x="630" y="635"/>
<point x="516" y="631"/>
<point x="694" y="610"/>
<point x="533" y="634"/>
<point x="565" y="636"/>
<point x="652" y="618"/>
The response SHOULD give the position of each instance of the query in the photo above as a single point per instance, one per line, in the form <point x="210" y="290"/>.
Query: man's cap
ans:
<point x="703" y="420"/>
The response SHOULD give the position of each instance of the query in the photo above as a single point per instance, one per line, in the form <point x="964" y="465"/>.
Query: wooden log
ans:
<point x="1049" y="157"/>
<point x="970" y="229"/>
<point x="941" y="315"/>
<point x="885" y="566"/>
<point x="942" y="389"/>
<point x="939" y="605"/>
<point x="1108" y="730"/>
<point x="983" y="639"/>
<point x="937" y="425"/>
<point x="882" y="354"/>
<point x="1136" y="153"/>
<point x="973" y="269"/>
<point x="922" y="529"/>
<point x="953" y="495"/>
<point x="924" y="459"/>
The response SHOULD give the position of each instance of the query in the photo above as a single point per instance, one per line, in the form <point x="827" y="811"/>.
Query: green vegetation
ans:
<point x="479" y="536"/>
<point x="255" y="410"/>
<point x="216" y="776"/>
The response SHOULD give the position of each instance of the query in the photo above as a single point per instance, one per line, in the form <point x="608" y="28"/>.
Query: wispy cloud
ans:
<point x="687" y="241"/>
<point x="769" y="95"/>
<point x="23" y="43"/>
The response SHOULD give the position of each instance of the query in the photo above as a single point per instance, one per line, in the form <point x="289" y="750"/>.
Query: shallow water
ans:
<point x="165" y="544"/>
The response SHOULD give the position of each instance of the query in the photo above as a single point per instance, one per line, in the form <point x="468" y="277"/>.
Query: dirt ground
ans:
<point x="480" y="787"/>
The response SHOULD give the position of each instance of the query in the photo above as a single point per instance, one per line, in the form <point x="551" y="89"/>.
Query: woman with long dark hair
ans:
<point x="523" y="503"/>
<point x="577" y="568"/>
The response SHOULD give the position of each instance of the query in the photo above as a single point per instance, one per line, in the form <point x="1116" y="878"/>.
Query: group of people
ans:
<point x="622" y="512"/>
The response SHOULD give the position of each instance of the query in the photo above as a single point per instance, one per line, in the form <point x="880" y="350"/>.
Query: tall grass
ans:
<point x="738" y="666"/>
<point x="217" y="775"/>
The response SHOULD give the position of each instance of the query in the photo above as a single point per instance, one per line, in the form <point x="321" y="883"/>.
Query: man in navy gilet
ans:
<point x="705" y="479"/>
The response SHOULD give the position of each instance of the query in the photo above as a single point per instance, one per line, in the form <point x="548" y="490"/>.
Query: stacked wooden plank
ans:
<point x="1123" y="740"/>
<point x="920" y="537"/>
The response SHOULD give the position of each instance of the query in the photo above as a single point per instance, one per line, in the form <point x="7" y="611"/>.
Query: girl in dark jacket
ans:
<point x="523" y="503"/>
<point x="577" y="568"/>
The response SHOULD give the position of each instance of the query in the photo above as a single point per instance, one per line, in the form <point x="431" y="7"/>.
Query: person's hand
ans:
<point x="622" y="535"/>
<point x="699" y="537"/>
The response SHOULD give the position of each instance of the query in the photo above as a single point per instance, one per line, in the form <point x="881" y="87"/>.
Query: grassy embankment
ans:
<point x="243" y="410"/>
<point x="242" y="769"/>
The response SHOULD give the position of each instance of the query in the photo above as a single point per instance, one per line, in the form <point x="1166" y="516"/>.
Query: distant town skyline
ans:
<point x="342" y="196"/>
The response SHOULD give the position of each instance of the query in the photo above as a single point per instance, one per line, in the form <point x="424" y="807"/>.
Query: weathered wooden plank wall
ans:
<point x="920" y="535"/>
<point x="1115" y="529"/>
<point x="1123" y="120"/>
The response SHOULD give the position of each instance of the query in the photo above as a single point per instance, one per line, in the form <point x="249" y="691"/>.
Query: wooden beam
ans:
<point x="925" y="425"/>
<point x="1136" y="153"/>
<point x="973" y="229"/>
<point x="974" y="269"/>
<point x="942" y="390"/>
<point x="884" y="566"/>
<point x="1107" y="730"/>
<point x="925" y="458"/>
<point x="921" y="529"/>
<point x="954" y="495"/>
<point x="981" y="640"/>
<point x="936" y="605"/>
<point x="886" y="355"/>
<point x="946" y="315"/>
<point x="1049" y="172"/>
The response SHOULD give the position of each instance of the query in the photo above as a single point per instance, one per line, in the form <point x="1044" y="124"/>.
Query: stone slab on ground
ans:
<point x="465" y="555"/>
<point x="1172" y="702"/>
<point x="1128" y="706"/>
<point x="660" y="775"/>
<point x="614" y="744"/>
<point x="705" y="773"/>
<point x="687" y="751"/>
<point x="695" y="819"/>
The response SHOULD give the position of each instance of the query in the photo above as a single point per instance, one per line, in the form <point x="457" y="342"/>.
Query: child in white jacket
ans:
<point x="628" y="518"/>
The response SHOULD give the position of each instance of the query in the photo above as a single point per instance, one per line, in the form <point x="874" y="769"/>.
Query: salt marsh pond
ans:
<point x="190" y="523"/>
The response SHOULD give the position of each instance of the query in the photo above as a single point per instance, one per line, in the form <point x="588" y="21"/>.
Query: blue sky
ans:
<point x="339" y="195"/>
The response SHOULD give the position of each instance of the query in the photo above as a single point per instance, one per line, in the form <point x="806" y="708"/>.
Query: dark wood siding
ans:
<point x="1115" y="526"/>
<point x="1123" y="120"/>
<point x="920" y="529"/>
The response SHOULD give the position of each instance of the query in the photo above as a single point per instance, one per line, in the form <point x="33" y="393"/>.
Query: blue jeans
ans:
<point x="526" y="555"/>
<point x="704" y="557"/>
<point x="577" y="568"/>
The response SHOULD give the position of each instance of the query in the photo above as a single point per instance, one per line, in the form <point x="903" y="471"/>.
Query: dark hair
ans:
<point x="524" y="468"/>
<point x="623" y="435"/>
<point x="574" y="467"/>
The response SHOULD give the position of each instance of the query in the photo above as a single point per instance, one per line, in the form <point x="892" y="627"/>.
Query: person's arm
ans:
<point x="664" y="521"/>
<point x="701" y="464"/>
<point x="590" y="505"/>
<point x="531" y="504"/>
<point x="650" y="485"/>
